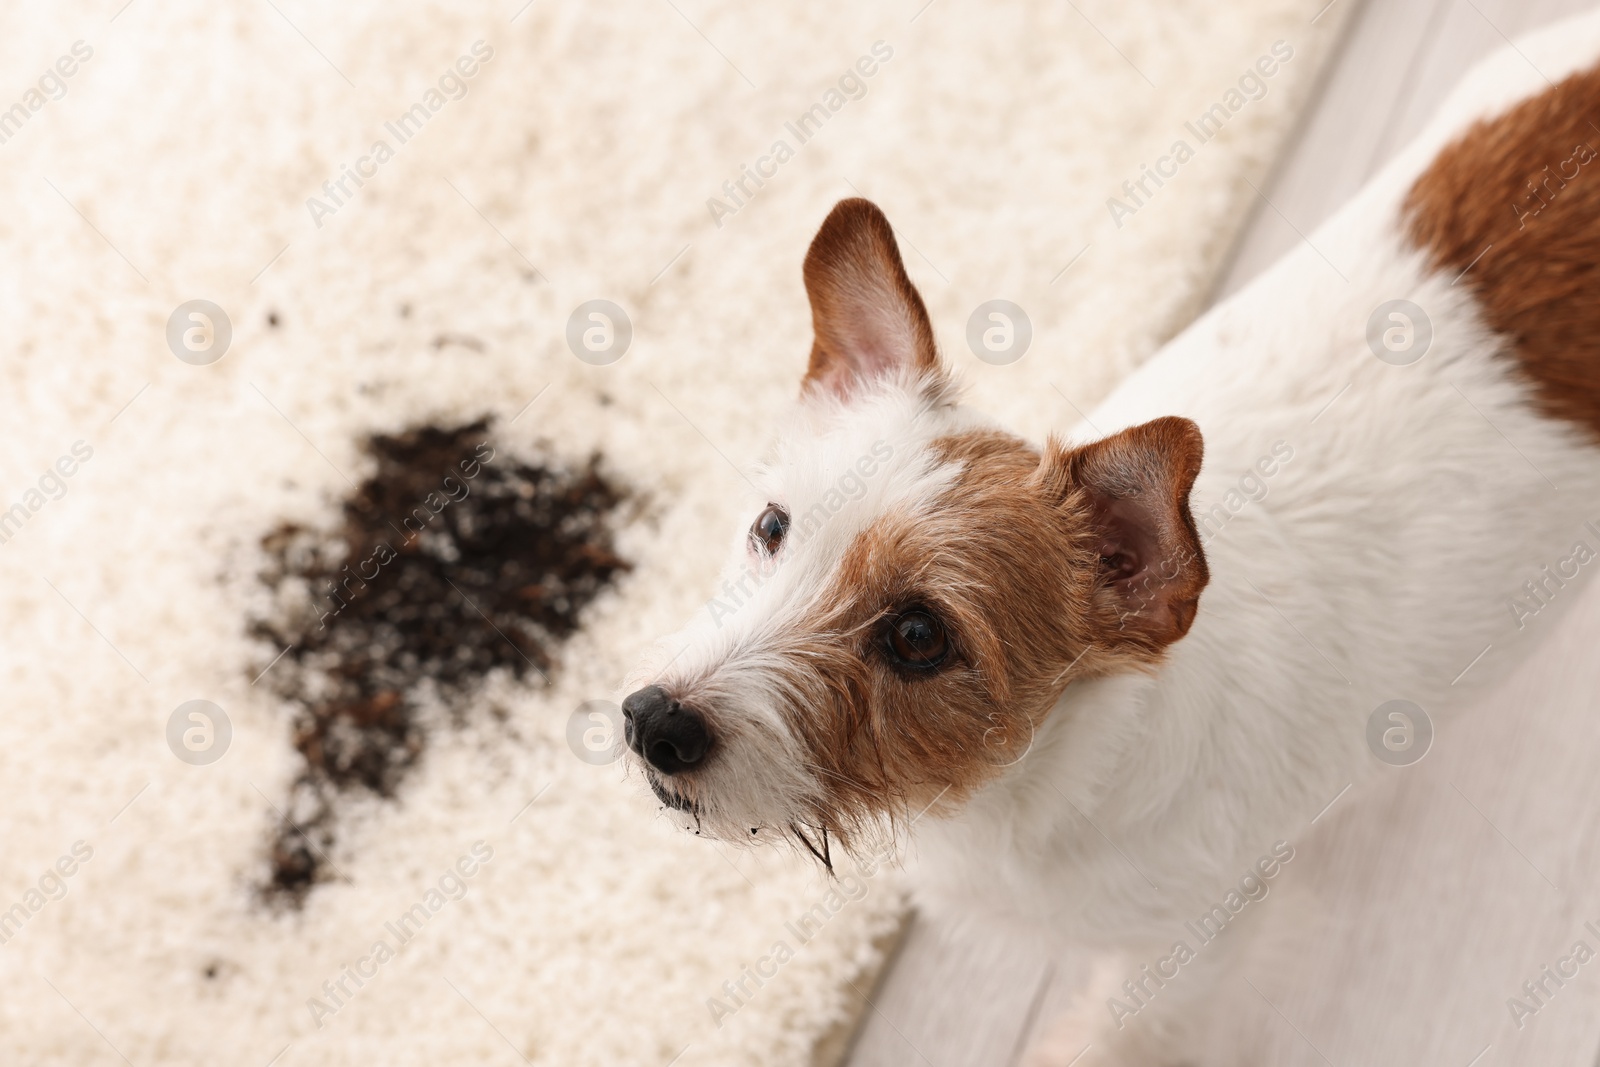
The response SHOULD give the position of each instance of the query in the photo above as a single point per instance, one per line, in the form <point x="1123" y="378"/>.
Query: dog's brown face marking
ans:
<point x="1033" y="570"/>
<point x="997" y="571"/>
<point x="1525" y="186"/>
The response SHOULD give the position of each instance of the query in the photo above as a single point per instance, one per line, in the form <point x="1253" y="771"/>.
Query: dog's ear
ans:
<point x="1133" y="489"/>
<point x="868" y="320"/>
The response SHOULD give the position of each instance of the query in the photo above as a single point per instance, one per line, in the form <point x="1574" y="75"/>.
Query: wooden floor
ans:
<point x="943" y="1004"/>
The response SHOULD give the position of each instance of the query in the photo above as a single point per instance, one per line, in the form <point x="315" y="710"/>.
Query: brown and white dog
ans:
<point x="1110" y="673"/>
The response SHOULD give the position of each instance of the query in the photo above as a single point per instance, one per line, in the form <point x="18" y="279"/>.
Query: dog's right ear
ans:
<point x="1133" y="489"/>
<point x="868" y="319"/>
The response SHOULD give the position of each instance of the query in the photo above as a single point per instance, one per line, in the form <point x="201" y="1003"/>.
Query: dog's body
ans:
<point x="1382" y="560"/>
<point x="1110" y="728"/>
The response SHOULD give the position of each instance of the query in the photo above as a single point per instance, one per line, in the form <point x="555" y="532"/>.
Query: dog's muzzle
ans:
<point x="671" y="737"/>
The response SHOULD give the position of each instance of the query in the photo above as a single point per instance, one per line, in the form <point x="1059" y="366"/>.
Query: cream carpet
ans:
<point x="171" y="156"/>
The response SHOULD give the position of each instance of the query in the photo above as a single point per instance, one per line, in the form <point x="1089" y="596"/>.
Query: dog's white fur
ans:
<point x="728" y="649"/>
<point x="1377" y="567"/>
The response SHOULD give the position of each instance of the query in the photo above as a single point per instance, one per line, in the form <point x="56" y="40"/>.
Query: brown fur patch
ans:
<point x="998" y="564"/>
<point x="1011" y="557"/>
<point x="1517" y="200"/>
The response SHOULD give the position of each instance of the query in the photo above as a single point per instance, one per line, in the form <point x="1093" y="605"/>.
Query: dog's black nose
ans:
<point x="671" y="737"/>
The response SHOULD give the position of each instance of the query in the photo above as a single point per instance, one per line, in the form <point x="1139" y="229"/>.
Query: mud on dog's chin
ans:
<point x="670" y="798"/>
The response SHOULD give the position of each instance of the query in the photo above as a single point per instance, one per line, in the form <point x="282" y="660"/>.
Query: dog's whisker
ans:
<point x="823" y="857"/>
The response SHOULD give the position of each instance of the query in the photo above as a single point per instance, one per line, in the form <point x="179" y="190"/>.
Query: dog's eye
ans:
<point x="916" y="639"/>
<point x="770" y="526"/>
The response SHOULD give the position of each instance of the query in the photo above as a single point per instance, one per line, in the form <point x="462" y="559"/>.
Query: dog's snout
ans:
<point x="672" y="737"/>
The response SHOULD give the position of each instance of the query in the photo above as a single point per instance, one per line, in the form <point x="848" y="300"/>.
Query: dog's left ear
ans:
<point x="868" y="319"/>
<point x="1136" y="487"/>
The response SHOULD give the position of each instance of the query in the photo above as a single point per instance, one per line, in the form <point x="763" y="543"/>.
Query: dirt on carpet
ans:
<point x="453" y="560"/>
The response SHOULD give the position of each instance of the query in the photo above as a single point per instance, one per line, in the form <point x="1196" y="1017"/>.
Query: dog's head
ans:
<point x="916" y="589"/>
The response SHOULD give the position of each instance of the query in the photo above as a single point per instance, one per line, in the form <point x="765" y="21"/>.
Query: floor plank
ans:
<point x="945" y="1003"/>
<point x="1345" y="135"/>
<point x="1399" y="61"/>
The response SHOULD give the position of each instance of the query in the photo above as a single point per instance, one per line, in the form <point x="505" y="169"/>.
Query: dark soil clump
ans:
<point x="453" y="560"/>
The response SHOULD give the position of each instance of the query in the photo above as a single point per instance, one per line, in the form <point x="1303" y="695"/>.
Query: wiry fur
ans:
<point x="748" y="669"/>
<point x="1158" y="763"/>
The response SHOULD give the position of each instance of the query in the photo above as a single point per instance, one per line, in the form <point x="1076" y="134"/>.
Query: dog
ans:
<point x="1096" y="684"/>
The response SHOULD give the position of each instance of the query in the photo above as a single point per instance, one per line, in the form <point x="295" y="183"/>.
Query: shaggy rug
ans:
<point x="335" y="510"/>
